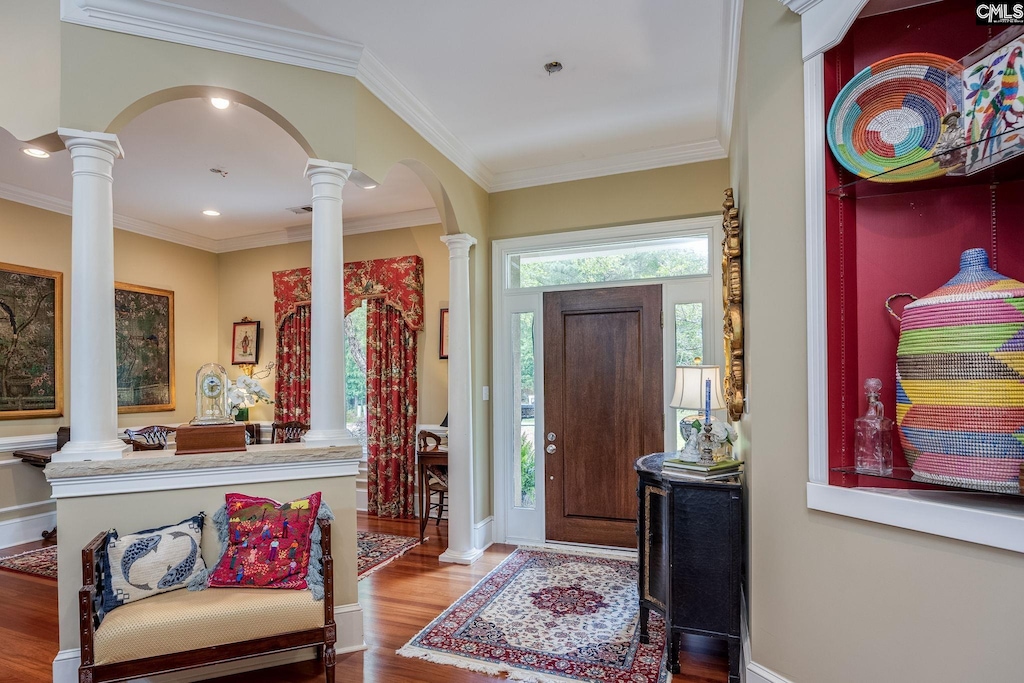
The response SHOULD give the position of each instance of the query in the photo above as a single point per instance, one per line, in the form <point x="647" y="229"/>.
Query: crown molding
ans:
<point x="211" y="30"/>
<point x="730" y="62"/>
<point x="659" y="157"/>
<point x="824" y="23"/>
<point x="163" y="20"/>
<point x="141" y="227"/>
<point x="299" y="233"/>
<point x="800" y="6"/>
<point x="383" y="83"/>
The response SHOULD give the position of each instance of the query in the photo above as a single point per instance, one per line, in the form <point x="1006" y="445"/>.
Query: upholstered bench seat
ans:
<point x="183" y="620"/>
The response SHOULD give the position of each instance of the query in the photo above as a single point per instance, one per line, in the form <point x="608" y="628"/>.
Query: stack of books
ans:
<point x="723" y="469"/>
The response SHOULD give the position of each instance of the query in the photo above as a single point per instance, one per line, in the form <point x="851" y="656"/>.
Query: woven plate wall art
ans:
<point x="890" y="115"/>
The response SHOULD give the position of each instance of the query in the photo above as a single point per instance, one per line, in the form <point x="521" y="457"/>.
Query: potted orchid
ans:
<point x="244" y="393"/>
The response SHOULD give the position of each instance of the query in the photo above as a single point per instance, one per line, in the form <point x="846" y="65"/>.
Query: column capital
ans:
<point x="458" y="244"/>
<point x="334" y="172"/>
<point x="83" y="139"/>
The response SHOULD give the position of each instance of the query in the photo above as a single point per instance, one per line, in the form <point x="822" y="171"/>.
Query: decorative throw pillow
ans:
<point x="268" y="542"/>
<point x="151" y="562"/>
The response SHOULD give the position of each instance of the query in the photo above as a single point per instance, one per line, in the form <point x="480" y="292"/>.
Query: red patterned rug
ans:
<point x="547" y="616"/>
<point x="41" y="562"/>
<point x="377" y="550"/>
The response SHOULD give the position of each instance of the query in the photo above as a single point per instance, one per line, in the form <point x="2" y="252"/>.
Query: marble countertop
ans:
<point x="166" y="461"/>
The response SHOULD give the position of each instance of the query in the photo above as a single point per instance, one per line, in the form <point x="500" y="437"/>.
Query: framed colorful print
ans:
<point x="245" y="343"/>
<point x="144" y="329"/>
<point x="31" y="338"/>
<point x="443" y="350"/>
<point x="993" y="92"/>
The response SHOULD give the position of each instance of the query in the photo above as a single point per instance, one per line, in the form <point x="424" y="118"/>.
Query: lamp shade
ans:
<point x="690" y="387"/>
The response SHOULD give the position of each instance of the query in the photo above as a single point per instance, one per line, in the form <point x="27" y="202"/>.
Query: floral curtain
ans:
<point x="391" y="411"/>
<point x="291" y="385"/>
<point x="393" y="289"/>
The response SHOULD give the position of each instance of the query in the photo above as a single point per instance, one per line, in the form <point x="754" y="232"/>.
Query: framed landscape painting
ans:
<point x="31" y="336"/>
<point x="144" y="323"/>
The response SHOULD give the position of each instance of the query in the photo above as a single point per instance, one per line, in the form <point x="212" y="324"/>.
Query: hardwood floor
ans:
<point x="397" y="601"/>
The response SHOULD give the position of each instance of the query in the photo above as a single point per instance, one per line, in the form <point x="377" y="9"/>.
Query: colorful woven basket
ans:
<point x="960" y="380"/>
<point x="887" y="119"/>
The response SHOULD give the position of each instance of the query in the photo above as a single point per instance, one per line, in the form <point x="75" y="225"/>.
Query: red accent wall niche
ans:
<point x="882" y="239"/>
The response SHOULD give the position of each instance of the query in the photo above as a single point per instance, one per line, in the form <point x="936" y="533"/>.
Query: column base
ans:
<point x="91" y="450"/>
<point x="456" y="557"/>
<point x="329" y="437"/>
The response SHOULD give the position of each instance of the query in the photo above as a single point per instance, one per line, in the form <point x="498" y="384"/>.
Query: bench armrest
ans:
<point x="87" y="596"/>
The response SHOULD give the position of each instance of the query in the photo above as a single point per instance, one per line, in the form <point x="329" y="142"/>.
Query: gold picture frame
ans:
<point x="732" y="303"/>
<point x="18" y="326"/>
<point x="144" y="323"/>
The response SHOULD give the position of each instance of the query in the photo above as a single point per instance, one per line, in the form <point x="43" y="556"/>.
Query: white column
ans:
<point x="93" y="377"/>
<point x="327" y="308"/>
<point x="461" y="545"/>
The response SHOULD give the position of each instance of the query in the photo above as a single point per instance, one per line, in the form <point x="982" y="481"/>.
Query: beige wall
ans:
<point x="80" y="519"/>
<point x="30" y="77"/>
<point x="246" y="289"/>
<point x="832" y="598"/>
<point x="663" y="193"/>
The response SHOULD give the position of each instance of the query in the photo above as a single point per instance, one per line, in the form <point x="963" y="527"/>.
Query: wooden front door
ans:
<point x="603" y="404"/>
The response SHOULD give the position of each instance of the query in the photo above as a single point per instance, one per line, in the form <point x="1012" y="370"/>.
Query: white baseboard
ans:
<point x="759" y="674"/>
<point x="349" y="619"/>
<point x="26" y="529"/>
<point x="483" y="533"/>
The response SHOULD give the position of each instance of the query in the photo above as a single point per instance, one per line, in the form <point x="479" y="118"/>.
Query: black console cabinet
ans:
<point x="691" y="557"/>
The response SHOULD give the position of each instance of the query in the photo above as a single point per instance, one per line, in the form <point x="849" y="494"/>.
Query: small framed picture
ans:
<point x="245" y="347"/>
<point x="443" y="350"/>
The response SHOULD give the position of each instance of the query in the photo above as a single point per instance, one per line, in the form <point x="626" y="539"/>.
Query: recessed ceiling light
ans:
<point x="553" y="67"/>
<point x="37" y="153"/>
<point x="211" y="212"/>
<point x="370" y="186"/>
<point x="220" y="102"/>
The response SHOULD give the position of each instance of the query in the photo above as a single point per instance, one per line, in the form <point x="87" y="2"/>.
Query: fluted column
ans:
<point x="93" y="376"/>
<point x="327" y="308"/>
<point x="461" y="545"/>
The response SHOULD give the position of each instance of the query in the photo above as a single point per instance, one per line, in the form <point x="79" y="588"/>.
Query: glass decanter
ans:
<point x="872" y="434"/>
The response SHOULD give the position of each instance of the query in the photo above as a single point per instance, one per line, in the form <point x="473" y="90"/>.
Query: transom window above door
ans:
<point x="618" y="262"/>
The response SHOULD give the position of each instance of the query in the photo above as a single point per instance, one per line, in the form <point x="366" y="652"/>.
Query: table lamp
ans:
<point x="698" y="388"/>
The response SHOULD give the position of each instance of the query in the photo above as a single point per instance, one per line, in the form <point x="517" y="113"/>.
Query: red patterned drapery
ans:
<point x="393" y="289"/>
<point x="390" y="411"/>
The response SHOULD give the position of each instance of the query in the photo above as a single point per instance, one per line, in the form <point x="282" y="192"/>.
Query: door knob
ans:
<point x="551" y="448"/>
<point x="551" y="436"/>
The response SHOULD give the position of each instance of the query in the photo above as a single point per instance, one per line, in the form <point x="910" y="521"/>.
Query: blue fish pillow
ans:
<point x="151" y="562"/>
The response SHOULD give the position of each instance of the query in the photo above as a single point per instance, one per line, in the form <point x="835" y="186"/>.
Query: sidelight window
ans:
<point x="524" y="475"/>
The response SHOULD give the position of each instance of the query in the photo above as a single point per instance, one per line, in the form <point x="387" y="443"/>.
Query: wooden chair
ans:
<point x="288" y="432"/>
<point x="437" y="476"/>
<point x="153" y="438"/>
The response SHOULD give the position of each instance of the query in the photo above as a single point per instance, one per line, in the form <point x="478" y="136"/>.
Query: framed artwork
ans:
<point x="443" y="349"/>
<point x="31" y="338"/>
<point x="993" y="100"/>
<point x="144" y="325"/>
<point x="245" y="342"/>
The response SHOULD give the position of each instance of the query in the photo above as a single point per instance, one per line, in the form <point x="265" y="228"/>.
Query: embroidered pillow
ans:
<point x="151" y="562"/>
<point x="268" y="542"/>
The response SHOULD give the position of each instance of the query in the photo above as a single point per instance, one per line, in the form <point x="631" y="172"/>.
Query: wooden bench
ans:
<point x="184" y="629"/>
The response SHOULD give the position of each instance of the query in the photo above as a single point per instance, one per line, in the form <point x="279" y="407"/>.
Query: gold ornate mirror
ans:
<point x="732" y="303"/>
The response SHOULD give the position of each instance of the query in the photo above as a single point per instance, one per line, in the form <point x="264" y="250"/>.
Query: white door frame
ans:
<point x="527" y="526"/>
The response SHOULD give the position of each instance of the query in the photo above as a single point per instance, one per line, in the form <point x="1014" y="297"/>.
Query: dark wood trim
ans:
<point x="89" y="672"/>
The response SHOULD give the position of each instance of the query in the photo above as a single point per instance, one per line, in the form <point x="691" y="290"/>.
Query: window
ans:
<point x="524" y="475"/>
<point x="689" y="331"/>
<point x="355" y="373"/>
<point x="641" y="260"/>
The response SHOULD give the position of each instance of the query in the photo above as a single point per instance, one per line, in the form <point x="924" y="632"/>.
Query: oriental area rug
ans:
<point x="547" y="616"/>
<point x="377" y="550"/>
<point x="40" y="562"/>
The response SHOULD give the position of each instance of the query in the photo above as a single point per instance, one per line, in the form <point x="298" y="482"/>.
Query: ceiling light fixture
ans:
<point x="220" y="102"/>
<point x="553" y="67"/>
<point x="36" y="153"/>
<point x="211" y="212"/>
<point x="369" y="186"/>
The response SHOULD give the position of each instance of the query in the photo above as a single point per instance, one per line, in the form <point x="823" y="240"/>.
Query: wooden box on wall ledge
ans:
<point x="191" y="439"/>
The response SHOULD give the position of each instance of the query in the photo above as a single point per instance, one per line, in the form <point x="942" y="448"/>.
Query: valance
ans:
<point x="399" y="281"/>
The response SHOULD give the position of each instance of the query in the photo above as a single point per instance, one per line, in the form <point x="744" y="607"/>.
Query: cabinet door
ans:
<point x="654" y="545"/>
<point x="705" y="559"/>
